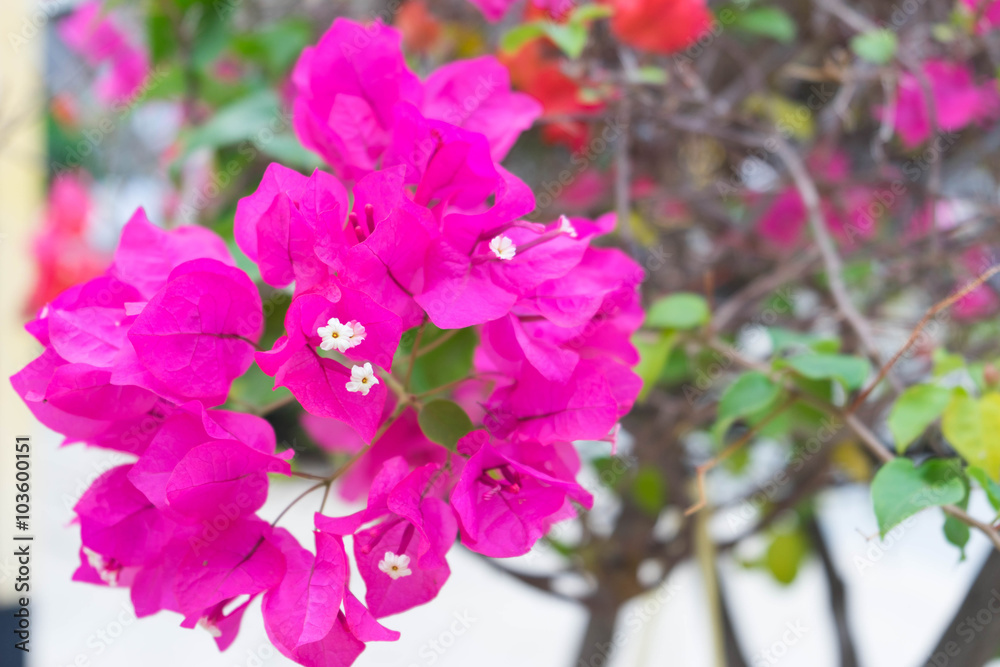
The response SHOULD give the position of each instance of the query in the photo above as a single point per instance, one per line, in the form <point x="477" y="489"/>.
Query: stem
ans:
<point x="297" y="499"/>
<point x="437" y="342"/>
<point x="414" y="353"/>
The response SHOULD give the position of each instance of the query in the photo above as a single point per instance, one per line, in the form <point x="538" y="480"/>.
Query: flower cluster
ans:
<point x="102" y="43"/>
<point x="419" y="231"/>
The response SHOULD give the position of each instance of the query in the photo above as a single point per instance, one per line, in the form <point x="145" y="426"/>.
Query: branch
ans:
<point x="827" y="249"/>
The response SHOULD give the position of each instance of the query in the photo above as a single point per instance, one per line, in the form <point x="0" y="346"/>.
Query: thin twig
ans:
<point x="928" y="316"/>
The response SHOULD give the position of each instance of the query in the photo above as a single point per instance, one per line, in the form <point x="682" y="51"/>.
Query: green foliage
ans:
<point x="653" y="356"/>
<point x="768" y="21"/>
<point x="681" y="310"/>
<point x="237" y="122"/>
<point x="916" y="409"/>
<point x="750" y="394"/>
<point x="851" y="372"/>
<point x="991" y="488"/>
<point x="444" y="422"/>
<point x="649" y="490"/>
<point x="785" y="555"/>
<point x="900" y="490"/>
<point x="972" y="426"/>
<point x="448" y="362"/>
<point x="876" y="46"/>
<point x="787" y="339"/>
<point x="570" y="36"/>
<point x="275" y="47"/>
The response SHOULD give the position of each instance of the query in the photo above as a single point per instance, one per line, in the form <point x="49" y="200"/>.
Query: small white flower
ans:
<point x="503" y="247"/>
<point x="362" y="379"/>
<point x="336" y="335"/>
<point x="395" y="566"/>
<point x="566" y="227"/>
<point x="212" y="628"/>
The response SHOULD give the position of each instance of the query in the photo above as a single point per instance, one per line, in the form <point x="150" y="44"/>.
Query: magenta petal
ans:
<point x="362" y="624"/>
<point x="303" y="608"/>
<point x="221" y="474"/>
<point x="242" y="560"/>
<point x="118" y="521"/>
<point x="85" y="321"/>
<point x="339" y="648"/>
<point x="146" y="254"/>
<point x="249" y="210"/>
<point x="198" y="333"/>
<point x="475" y="94"/>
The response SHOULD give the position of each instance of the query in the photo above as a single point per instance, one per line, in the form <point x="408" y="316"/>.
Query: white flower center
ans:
<point x="362" y="379"/>
<point x="503" y="247"/>
<point x="395" y="566"/>
<point x="339" y="336"/>
<point x="566" y="227"/>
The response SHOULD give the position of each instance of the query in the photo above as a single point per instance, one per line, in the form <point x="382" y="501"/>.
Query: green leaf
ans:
<point x="785" y="555"/>
<point x="945" y="362"/>
<point x="771" y="22"/>
<point x="751" y="392"/>
<point x="649" y="75"/>
<point x="973" y="429"/>
<point x="653" y="355"/>
<point x="876" y="46"/>
<point x="518" y="36"/>
<point x="237" y="122"/>
<point x="787" y="339"/>
<point x="683" y="310"/>
<point x="586" y="13"/>
<point x="276" y="46"/>
<point x="444" y="422"/>
<point x="649" y="490"/>
<point x="289" y="151"/>
<point x="991" y="488"/>
<point x="915" y="410"/>
<point x="956" y="532"/>
<point x="447" y="362"/>
<point x="849" y="371"/>
<point x="571" y="38"/>
<point x="900" y="490"/>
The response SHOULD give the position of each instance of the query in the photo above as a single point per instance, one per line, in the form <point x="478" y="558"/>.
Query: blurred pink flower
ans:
<point x="102" y="43"/>
<point x="958" y="101"/>
<point x="990" y="16"/>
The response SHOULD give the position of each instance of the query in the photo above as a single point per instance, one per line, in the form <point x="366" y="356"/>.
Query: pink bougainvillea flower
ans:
<point x="321" y="383"/>
<point x="988" y="12"/>
<point x="403" y="438"/>
<point x="505" y="504"/>
<point x="146" y="255"/>
<point x="279" y="225"/>
<point x="475" y="95"/>
<point x="585" y="407"/>
<point x="958" y="101"/>
<point x="198" y="333"/>
<point x="63" y="254"/>
<point x="402" y="556"/>
<point x="472" y="279"/>
<point x="349" y="88"/>
<point x="346" y="89"/>
<point x="851" y="214"/>
<point x="101" y="43"/>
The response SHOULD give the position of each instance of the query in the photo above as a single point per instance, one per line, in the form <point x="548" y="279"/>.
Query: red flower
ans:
<point x="541" y="76"/>
<point x="660" y="26"/>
